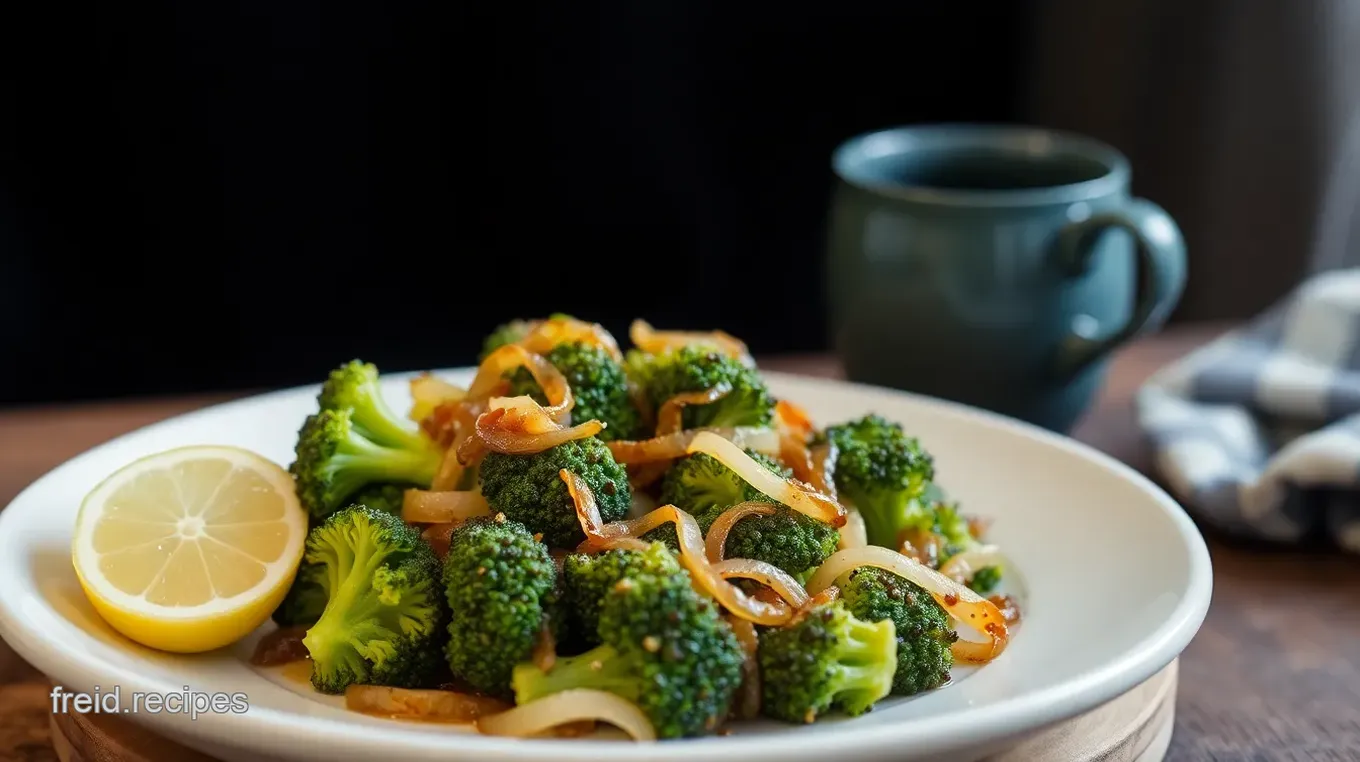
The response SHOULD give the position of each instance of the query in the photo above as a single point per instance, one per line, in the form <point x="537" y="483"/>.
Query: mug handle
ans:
<point x="1160" y="250"/>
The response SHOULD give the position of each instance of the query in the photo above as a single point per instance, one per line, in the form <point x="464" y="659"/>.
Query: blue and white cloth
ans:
<point x="1258" y="433"/>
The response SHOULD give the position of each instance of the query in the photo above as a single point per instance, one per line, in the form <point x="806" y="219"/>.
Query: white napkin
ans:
<point x="1258" y="433"/>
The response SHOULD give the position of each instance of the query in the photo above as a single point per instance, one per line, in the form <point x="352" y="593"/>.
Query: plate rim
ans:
<point x="1005" y="719"/>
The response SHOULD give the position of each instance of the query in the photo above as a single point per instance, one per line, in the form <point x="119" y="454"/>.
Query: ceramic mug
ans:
<point x="996" y="266"/>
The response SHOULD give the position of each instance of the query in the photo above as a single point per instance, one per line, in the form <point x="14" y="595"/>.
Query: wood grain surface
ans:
<point x="1273" y="675"/>
<point x="108" y="738"/>
<point x="1126" y="729"/>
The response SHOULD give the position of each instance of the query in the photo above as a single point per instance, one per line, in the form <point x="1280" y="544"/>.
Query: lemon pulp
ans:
<point x="190" y="549"/>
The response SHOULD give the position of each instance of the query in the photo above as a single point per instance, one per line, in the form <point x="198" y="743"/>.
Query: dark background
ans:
<point x="228" y="195"/>
<point x="232" y="195"/>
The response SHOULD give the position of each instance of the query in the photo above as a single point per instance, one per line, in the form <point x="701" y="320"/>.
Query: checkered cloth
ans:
<point x="1258" y="433"/>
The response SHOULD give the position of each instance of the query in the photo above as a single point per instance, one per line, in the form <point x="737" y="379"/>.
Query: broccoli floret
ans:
<point x="792" y="541"/>
<point x="587" y="580"/>
<point x="356" y="449"/>
<point x="953" y="528"/>
<point x="829" y="660"/>
<point x="705" y="488"/>
<point x="883" y="472"/>
<point x="529" y="488"/>
<point x="924" y="638"/>
<point x="334" y="459"/>
<point x="700" y="484"/>
<point x="505" y="333"/>
<point x="597" y="382"/>
<point x="499" y="582"/>
<point x="985" y="580"/>
<point x="384" y="616"/>
<point x="306" y="598"/>
<point x="694" y="369"/>
<point x="354" y="387"/>
<point x="568" y="635"/>
<point x="662" y="646"/>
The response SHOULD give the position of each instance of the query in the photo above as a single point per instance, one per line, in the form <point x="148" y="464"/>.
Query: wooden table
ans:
<point x="1273" y="674"/>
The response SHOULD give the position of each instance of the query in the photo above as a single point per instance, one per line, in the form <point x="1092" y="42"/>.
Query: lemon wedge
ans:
<point x="190" y="549"/>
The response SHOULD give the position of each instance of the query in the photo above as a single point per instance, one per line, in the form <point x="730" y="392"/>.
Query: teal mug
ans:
<point x="997" y="266"/>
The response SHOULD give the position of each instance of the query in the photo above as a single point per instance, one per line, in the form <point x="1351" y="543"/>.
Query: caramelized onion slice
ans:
<point x="587" y="510"/>
<point x="829" y="595"/>
<point x="439" y="536"/>
<point x="519" y="425"/>
<point x="450" y="471"/>
<point x="794" y="452"/>
<point x="823" y="598"/>
<point x="471" y="450"/>
<point x="797" y="496"/>
<point x="766" y="574"/>
<point x="921" y="545"/>
<point x="451" y="468"/>
<point x="420" y="506"/>
<point x="549" y="378"/>
<point x="450" y="421"/>
<point x="715" y="544"/>
<point x="613" y="543"/>
<point x="435" y="705"/>
<point x="652" y="341"/>
<point x="429" y="392"/>
<point x="574" y="729"/>
<point x="964" y="605"/>
<point x="669" y="418"/>
<point x="522" y="413"/>
<point x="795" y="428"/>
<point x="643" y="475"/>
<point x="762" y="439"/>
<point x="1008" y="607"/>
<point x="823" y="477"/>
<point x="853" y="534"/>
<point x="794" y="419"/>
<point x="493" y="368"/>
<point x="544" y="335"/>
<point x="517" y="428"/>
<point x="978" y="526"/>
<point x="588" y="514"/>
<point x="282" y="646"/>
<point x="569" y="706"/>
<point x="728" y="595"/>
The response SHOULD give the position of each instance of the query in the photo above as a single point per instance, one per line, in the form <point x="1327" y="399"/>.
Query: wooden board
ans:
<point x="105" y="738"/>
<point x="1135" y="727"/>
<point x="1127" y="729"/>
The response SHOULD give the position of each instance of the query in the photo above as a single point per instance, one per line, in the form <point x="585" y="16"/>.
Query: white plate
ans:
<point x="1116" y="582"/>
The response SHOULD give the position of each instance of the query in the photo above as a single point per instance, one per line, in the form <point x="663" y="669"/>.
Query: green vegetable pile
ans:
<point x="517" y="594"/>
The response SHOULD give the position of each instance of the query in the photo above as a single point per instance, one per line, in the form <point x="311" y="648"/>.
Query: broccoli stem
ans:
<point x="339" y="631"/>
<point x="885" y="516"/>
<point x="382" y="425"/>
<point x="862" y="674"/>
<point x="601" y="668"/>
<point x="363" y="463"/>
